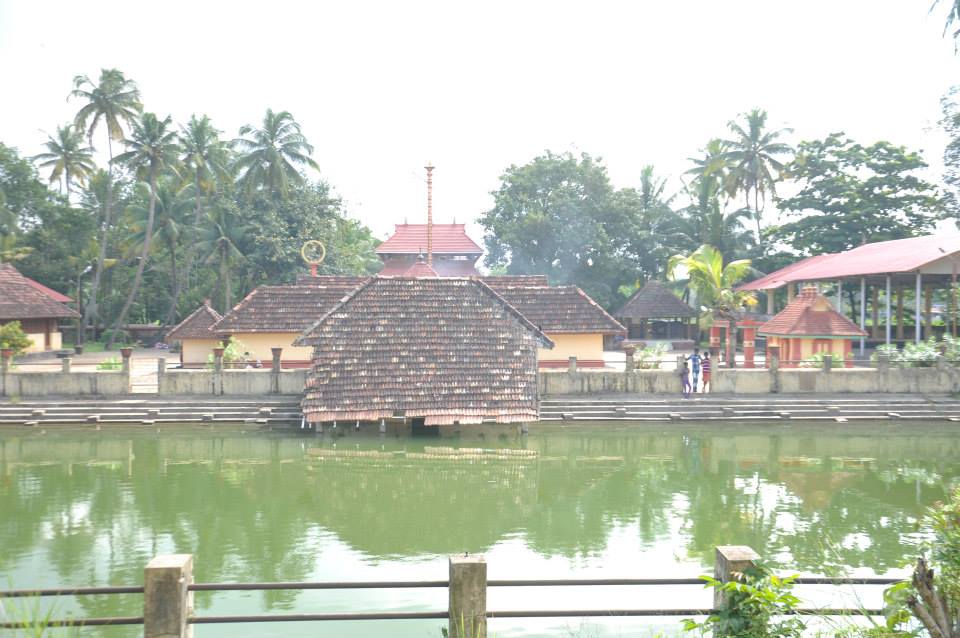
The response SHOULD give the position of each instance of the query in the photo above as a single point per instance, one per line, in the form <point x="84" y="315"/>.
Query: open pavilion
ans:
<point x="922" y="265"/>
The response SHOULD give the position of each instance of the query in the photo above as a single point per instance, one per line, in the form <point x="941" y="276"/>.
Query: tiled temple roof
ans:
<point x="21" y="300"/>
<point x="446" y="350"/>
<point x="283" y="308"/>
<point x="810" y="314"/>
<point x="411" y="239"/>
<point x="654" y="301"/>
<point x="559" y="309"/>
<point x="196" y="325"/>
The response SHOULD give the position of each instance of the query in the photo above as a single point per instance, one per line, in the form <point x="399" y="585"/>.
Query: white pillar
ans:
<point x="863" y="312"/>
<point x="840" y="296"/>
<point x="918" y="322"/>
<point x="887" y="317"/>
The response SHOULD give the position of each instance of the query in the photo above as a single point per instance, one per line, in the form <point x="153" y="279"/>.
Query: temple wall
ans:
<point x="258" y="344"/>
<point x="40" y="384"/>
<point x="232" y="382"/>
<point x="586" y="347"/>
<point x="195" y="351"/>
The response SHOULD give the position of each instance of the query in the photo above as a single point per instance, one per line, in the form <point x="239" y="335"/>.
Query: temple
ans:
<point x="436" y="351"/>
<point x="196" y="339"/>
<point x="454" y="253"/>
<point x="38" y="309"/>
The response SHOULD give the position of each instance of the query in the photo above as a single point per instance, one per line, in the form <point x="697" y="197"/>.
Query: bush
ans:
<point x="920" y="355"/>
<point x="113" y="363"/>
<point x="759" y="604"/>
<point x="816" y="360"/>
<point x="649" y="358"/>
<point x="12" y="336"/>
<point x="122" y="337"/>
<point x="234" y="352"/>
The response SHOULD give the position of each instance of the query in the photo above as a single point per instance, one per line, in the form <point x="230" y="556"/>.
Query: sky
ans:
<point x="381" y="88"/>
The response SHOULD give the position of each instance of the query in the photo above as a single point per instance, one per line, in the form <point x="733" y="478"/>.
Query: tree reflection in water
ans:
<point x="86" y="509"/>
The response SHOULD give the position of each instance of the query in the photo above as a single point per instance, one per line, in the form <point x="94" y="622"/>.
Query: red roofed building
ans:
<point x="454" y="253"/>
<point x="808" y="326"/>
<point x="34" y="306"/>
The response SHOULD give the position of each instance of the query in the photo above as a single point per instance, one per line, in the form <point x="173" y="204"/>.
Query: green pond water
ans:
<point x="83" y="508"/>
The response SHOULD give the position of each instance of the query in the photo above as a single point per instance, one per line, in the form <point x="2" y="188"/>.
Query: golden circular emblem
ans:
<point x="313" y="252"/>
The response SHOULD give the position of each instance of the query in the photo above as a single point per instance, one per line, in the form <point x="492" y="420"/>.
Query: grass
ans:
<point x="89" y="346"/>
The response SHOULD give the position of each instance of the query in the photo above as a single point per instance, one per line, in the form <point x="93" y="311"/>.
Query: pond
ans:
<point x="83" y="508"/>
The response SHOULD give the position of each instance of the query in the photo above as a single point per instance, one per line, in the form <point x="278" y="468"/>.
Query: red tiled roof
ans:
<point x="331" y="280"/>
<point x="560" y="309"/>
<point x="810" y="314"/>
<point x="655" y="301"/>
<point x="420" y="269"/>
<point x="515" y="280"/>
<point x="282" y="308"/>
<point x="880" y="258"/>
<point x="411" y="239"/>
<point x="50" y="292"/>
<point x="19" y="299"/>
<point x="196" y="325"/>
<point x="442" y="349"/>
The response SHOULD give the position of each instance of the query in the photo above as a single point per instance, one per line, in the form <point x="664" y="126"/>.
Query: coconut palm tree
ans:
<point x="707" y="221"/>
<point x="171" y="222"/>
<point x="67" y="158"/>
<point x="219" y="242"/>
<point x="269" y="156"/>
<point x="151" y="148"/>
<point x="205" y="160"/>
<point x="713" y="282"/>
<point x="753" y="156"/>
<point x="953" y="16"/>
<point x="113" y="101"/>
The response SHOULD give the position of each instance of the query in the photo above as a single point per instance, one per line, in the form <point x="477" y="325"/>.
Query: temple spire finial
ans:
<point x="429" y="167"/>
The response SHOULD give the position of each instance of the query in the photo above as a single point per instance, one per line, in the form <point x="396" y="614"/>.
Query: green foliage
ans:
<point x="816" y="360"/>
<point x="234" y="352"/>
<point x="113" y="363"/>
<point x="852" y="194"/>
<point x="921" y="355"/>
<point x="944" y="520"/>
<point x="758" y="604"/>
<point x="712" y="282"/>
<point x="13" y="337"/>
<point x="650" y="357"/>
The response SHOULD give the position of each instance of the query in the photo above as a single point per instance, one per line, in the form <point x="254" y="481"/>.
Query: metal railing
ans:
<point x="168" y="597"/>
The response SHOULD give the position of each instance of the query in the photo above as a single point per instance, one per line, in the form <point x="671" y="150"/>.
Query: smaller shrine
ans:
<point x="196" y="339"/>
<point x="654" y="313"/>
<point x="38" y="309"/>
<point x="809" y="326"/>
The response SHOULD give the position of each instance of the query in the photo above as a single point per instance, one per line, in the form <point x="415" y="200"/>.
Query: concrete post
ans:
<point x="217" y="371"/>
<point x="5" y="356"/>
<point x="573" y="364"/>
<point x="773" y="352"/>
<point x="468" y="597"/>
<point x="275" y="371"/>
<point x="730" y="562"/>
<point x="167" y="604"/>
<point x="628" y="365"/>
<point x="161" y="373"/>
<point x="126" y="354"/>
<point x="827" y="362"/>
<point x="65" y="364"/>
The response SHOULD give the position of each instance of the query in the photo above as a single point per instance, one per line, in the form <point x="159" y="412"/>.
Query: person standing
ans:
<point x="695" y="359"/>
<point x="706" y="365"/>
<point x="685" y="381"/>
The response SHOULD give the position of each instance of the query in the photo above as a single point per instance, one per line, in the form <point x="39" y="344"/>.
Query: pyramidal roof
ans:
<point x="21" y="299"/>
<point x="810" y="314"/>
<point x="411" y="239"/>
<point x="196" y="325"/>
<point x="420" y="269"/>
<point x="654" y="301"/>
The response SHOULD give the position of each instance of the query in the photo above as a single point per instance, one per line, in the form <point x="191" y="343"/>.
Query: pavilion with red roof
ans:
<point x="918" y="265"/>
<point x="454" y="253"/>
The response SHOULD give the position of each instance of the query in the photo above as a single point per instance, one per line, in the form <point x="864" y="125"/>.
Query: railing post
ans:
<point x="572" y="364"/>
<point x="628" y="365"/>
<point x="161" y="372"/>
<point x="127" y="369"/>
<point x="468" y="597"/>
<point x="6" y="354"/>
<point x="827" y="362"/>
<point x="65" y="365"/>
<point x="773" y="364"/>
<point x="167" y="603"/>
<point x="730" y="561"/>
<point x="275" y="370"/>
<point x="218" y="370"/>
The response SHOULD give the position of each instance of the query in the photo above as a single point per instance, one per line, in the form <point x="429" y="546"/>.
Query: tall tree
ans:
<point x="152" y="147"/>
<point x="712" y="282"/>
<point x="205" y="161"/>
<point x="174" y="203"/>
<point x="706" y="219"/>
<point x="114" y="101"/>
<point x="756" y="159"/>
<point x="67" y="158"/>
<point x="852" y="194"/>
<point x="953" y="17"/>
<point x="219" y="243"/>
<point x="269" y="156"/>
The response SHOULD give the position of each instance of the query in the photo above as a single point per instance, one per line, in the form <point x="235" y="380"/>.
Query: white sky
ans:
<point x="381" y="87"/>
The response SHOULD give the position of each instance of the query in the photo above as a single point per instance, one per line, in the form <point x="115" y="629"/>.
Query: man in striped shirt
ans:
<point x="705" y="367"/>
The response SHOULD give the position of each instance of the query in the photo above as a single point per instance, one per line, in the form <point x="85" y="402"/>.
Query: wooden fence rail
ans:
<point x="168" y="596"/>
